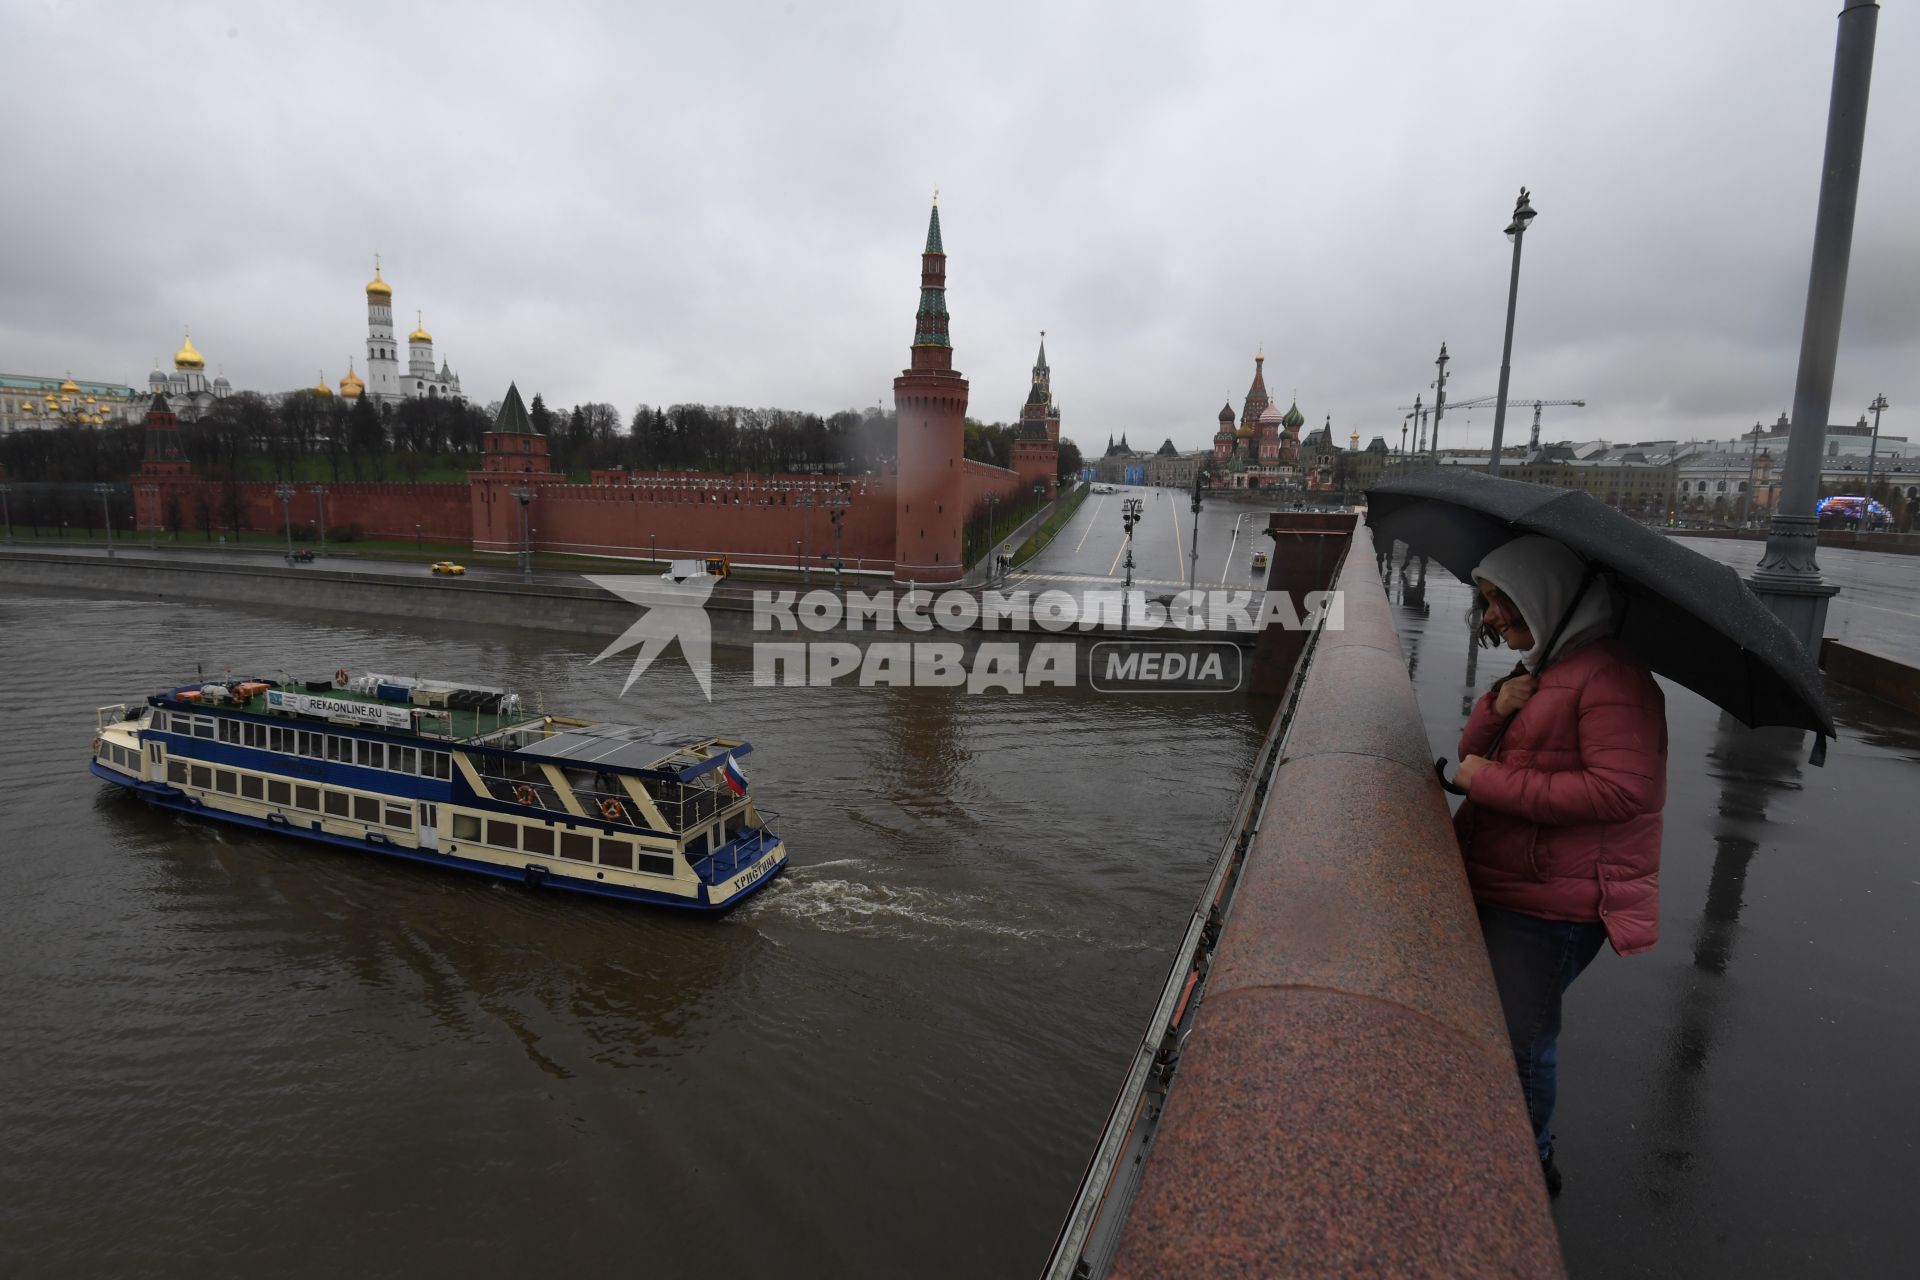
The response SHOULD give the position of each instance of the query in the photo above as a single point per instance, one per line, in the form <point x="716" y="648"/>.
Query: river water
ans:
<point x="235" y="1053"/>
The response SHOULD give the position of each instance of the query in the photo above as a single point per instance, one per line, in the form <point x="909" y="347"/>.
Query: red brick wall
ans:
<point x="756" y="519"/>
<point x="381" y="510"/>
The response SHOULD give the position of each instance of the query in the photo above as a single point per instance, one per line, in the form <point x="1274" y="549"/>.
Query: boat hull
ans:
<point x="712" y="899"/>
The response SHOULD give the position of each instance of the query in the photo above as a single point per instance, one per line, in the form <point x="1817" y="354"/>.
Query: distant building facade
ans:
<point x="28" y="402"/>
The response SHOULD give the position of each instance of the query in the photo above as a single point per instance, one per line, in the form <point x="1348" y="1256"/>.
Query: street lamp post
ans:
<point x="5" y="513"/>
<point x="837" y="504"/>
<point x="1879" y="403"/>
<point x="653" y="549"/>
<point x="1746" y="496"/>
<point x="1516" y="231"/>
<point x="1130" y="512"/>
<point x="418" y="544"/>
<point x="153" y="504"/>
<point x="993" y="530"/>
<point x="320" y="495"/>
<point x="1193" y="548"/>
<point x="525" y="496"/>
<point x="806" y="501"/>
<point x="1439" y="402"/>
<point x="285" y="494"/>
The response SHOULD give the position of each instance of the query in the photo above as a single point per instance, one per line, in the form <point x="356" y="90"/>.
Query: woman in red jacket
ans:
<point x="1561" y="827"/>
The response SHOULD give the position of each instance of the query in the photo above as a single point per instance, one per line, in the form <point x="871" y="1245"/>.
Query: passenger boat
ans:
<point x="453" y="776"/>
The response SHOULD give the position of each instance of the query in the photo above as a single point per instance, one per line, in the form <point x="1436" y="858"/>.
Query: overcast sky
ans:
<point x="725" y="202"/>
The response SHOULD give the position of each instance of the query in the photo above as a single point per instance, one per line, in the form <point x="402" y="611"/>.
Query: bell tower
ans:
<point x="930" y="404"/>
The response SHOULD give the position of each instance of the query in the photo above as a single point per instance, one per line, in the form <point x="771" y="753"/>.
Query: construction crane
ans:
<point x="1481" y="402"/>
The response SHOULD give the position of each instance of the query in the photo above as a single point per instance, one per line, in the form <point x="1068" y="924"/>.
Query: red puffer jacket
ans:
<point x="1564" y="823"/>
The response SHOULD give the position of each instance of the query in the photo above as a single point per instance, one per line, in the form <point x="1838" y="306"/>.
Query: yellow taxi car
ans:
<point x="448" y="567"/>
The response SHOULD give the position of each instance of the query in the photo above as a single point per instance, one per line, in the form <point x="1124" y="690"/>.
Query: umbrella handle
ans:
<point x="1440" y="772"/>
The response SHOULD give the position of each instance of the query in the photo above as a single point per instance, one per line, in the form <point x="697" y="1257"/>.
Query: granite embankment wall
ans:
<point x="1346" y="1103"/>
<point x="564" y="603"/>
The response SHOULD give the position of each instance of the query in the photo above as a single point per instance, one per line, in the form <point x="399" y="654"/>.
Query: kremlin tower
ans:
<point x="383" y="359"/>
<point x="1036" y="449"/>
<point x="930" y="404"/>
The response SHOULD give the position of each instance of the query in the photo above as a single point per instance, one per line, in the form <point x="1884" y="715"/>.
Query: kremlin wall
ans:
<point x="907" y="520"/>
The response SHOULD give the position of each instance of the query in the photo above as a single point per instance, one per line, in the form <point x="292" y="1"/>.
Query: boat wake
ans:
<point x="836" y="905"/>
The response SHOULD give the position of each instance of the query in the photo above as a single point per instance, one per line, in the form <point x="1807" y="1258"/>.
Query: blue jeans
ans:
<point x="1534" y="962"/>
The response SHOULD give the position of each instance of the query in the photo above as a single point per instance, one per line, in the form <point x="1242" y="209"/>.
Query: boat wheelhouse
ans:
<point x="453" y="776"/>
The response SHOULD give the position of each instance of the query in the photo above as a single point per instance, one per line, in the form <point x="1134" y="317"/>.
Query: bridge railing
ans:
<point x="1341" y="1097"/>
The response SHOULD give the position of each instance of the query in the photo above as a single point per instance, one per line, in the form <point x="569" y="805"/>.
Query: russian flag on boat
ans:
<point x="736" y="780"/>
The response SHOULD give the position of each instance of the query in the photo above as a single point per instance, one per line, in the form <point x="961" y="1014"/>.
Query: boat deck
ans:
<point x="457" y="724"/>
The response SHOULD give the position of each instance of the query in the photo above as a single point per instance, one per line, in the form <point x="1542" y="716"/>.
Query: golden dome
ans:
<point x="69" y="385"/>
<point x="186" y="357"/>
<point x="351" y="388"/>
<point x="321" y="388"/>
<point x="419" y="333"/>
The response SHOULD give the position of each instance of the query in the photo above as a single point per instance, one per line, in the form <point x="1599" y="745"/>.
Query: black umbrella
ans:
<point x="1688" y="618"/>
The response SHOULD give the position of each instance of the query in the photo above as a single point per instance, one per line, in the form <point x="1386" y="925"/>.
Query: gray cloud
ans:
<point x="725" y="202"/>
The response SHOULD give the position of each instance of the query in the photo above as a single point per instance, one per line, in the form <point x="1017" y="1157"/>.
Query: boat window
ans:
<point x="278" y="792"/>
<point x="616" y="853"/>
<point x="281" y="740"/>
<point x="655" y="864"/>
<point x="537" y="840"/>
<point x="230" y="731"/>
<point x="399" y="815"/>
<point x="311" y="744"/>
<point x="339" y="803"/>
<point x="203" y="727"/>
<point x="256" y="735"/>
<point x="576" y="846"/>
<point x="308" y="798"/>
<point x="366" y="809"/>
<point x="340" y="749"/>
<point x="202" y="776"/>
<point x="370" y="754"/>
<point x="251" y="786"/>
<point x="502" y="834"/>
<point x="466" y="827"/>
<point x="160" y="722"/>
<point x="442" y="765"/>
<point x="176" y="771"/>
<point x="226" y="780"/>
<point x="697" y="847"/>
<point x="402" y="758"/>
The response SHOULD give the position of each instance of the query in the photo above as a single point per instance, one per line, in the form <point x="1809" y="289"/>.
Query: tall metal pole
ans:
<point x="320" y="494"/>
<point x="525" y="496"/>
<point x="1879" y="403"/>
<point x="1193" y="544"/>
<point x="1516" y="231"/>
<point x="1788" y="575"/>
<point x="806" y="518"/>
<point x="106" y="510"/>
<point x="1439" y="401"/>
<point x="285" y="493"/>
<point x="5" y="514"/>
<point x="1746" y="495"/>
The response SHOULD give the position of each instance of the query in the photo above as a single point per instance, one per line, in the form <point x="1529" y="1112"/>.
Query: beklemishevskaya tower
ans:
<point x="930" y="404"/>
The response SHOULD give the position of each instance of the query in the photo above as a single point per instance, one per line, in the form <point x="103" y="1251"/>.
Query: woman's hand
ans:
<point x="1463" y="776"/>
<point x="1514" y="693"/>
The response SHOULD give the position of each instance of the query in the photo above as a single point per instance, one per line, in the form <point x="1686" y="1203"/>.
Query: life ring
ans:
<point x="612" y="810"/>
<point x="526" y="795"/>
<point x="340" y="677"/>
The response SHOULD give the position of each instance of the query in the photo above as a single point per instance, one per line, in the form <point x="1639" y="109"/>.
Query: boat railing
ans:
<point x="740" y="852"/>
<point x="687" y="807"/>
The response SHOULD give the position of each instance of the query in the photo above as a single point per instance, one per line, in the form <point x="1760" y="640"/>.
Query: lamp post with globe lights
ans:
<point x="1523" y="216"/>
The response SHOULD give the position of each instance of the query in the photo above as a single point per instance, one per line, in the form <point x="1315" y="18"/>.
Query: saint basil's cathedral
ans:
<point x="1264" y="450"/>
